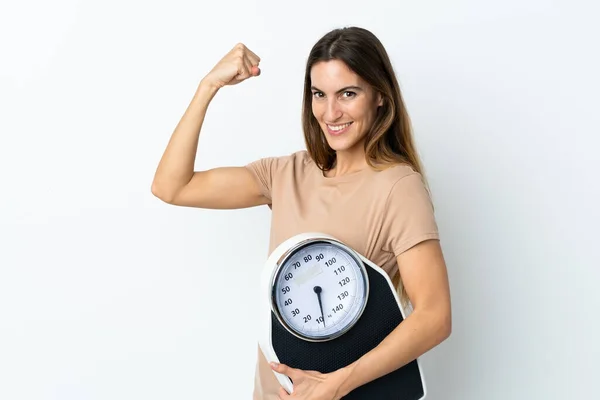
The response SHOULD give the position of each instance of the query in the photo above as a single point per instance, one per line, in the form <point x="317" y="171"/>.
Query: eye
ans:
<point x="349" y="94"/>
<point x="317" y="94"/>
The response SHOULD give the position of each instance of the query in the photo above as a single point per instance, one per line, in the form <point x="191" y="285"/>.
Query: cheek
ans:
<point x="356" y="112"/>
<point x="365" y="113"/>
<point x="317" y="110"/>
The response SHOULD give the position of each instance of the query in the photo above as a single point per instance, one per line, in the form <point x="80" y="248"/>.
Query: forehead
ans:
<point x="333" y="74"/>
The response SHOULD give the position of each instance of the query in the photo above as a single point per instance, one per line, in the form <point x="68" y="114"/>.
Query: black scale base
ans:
<point x="374" y="325"/>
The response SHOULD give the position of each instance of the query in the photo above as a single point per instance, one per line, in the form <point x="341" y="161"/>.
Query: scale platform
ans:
<point x="382" y="313"/>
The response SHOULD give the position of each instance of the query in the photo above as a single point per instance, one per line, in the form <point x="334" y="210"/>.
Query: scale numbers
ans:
<point x="320" y="290"/>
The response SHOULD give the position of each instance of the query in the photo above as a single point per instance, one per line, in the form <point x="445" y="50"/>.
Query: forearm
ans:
<point x="420" y="331"/>
<point x="176" y="166"/>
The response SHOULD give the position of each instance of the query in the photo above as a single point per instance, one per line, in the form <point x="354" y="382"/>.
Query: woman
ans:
<point x="360" y="180"/>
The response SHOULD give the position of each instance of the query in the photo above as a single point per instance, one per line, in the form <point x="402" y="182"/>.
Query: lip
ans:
<point x="338" y="133"/>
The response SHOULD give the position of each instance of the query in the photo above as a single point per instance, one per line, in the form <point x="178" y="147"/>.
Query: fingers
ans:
<point x="244" y="69"/>
<point x="251" y="65"/>
<point x="286" y="370"/>
<point x="255" y="59"/>
<point x="249" y="61"/>
<point x="249" y="54"/>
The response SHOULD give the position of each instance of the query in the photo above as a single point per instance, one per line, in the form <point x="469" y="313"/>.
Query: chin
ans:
<point x="342" y="143"/>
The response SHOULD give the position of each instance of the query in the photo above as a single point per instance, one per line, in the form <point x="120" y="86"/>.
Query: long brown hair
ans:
<point x="390" y="140"/>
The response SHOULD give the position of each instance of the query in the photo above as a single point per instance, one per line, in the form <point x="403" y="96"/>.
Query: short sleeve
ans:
<point x="264" y="171"/>
<point x="409" y="215"/>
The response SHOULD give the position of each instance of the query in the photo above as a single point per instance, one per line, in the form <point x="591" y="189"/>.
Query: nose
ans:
<point x="333" y="111"/>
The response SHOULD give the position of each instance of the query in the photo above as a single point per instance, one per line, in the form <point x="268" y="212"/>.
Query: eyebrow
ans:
<point x="344" y="89"/>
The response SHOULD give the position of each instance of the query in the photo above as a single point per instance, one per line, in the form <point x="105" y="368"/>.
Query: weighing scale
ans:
<point x="323" y="306"/>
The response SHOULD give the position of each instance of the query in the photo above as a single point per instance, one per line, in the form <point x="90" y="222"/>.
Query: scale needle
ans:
<point x="317" y="290"/>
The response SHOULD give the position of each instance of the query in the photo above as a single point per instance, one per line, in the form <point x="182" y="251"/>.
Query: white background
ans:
<point x="108" y="293"/>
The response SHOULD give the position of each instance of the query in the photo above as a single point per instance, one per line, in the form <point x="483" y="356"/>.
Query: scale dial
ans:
<point x="320" y="289"/>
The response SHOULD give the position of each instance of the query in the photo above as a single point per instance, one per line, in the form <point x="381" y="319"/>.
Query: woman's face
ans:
<point x="343" y="103"/>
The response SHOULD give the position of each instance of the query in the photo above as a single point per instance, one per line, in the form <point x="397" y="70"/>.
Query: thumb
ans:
<point x="281" y="368"/>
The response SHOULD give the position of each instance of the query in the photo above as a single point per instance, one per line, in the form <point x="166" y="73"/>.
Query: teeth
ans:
<point x="338" y="127"/>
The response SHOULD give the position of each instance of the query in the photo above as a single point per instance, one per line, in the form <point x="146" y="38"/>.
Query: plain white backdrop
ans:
<point x="106" y="293"/>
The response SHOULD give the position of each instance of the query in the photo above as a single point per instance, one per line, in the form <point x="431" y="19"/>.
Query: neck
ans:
<point x="348" y="162"/>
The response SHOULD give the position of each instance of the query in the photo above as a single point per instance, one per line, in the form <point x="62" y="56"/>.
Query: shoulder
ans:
<point x="409" y="215"/>
<point x="401" y="184"/>
<point x="295" y="162"/>
<point x="400" y="175"/>
<point x="301" y="158"/>
<point x="298" y="158"/>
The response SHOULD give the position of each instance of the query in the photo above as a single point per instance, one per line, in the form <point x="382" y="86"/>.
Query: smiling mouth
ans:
<point x="338" y="129"/>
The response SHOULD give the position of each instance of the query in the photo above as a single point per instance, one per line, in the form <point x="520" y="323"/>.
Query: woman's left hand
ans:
<point x="310" y="385"/>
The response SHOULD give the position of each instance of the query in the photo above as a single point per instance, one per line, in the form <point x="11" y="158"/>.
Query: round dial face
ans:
<point x="320" y="290"/>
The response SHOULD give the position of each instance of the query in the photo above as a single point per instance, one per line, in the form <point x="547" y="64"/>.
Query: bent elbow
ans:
<point x="444" y="327"/>
<point x="160" y="193"/>
<point x="447" y="329"/>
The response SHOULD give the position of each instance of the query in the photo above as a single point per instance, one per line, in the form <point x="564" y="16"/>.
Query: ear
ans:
<point x="379" y="100"/>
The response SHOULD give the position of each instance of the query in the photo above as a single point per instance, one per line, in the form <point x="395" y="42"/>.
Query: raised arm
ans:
<point x="175" y="181"/>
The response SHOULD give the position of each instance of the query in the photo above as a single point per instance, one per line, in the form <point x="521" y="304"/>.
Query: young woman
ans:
<point x="359" y="180"/>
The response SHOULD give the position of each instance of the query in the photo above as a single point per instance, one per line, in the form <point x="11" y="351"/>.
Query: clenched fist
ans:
<point x="237" y="66"/>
